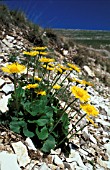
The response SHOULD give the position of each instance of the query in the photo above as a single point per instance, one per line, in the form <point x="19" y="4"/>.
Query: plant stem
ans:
<point x="27" y="70"/>
<point x="74" y="128"/>
<point x="65" y="77"/>
<point x="16" y="97"/>
<point x="78" y="131"/>
<point x="34" y="68"/>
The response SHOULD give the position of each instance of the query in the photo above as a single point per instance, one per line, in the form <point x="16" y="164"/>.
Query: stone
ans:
<point x="9" y="38"/>
<point x="107" y="147"/>
<point x="8" y="88"/>
<point x="44" y="167"/>
<point x="4" y="103"/>
<point x="105" y="164"/>
<point x="93" y="139"/>
<point x="14" y="42"/>
<point x="104" y="123"/>
<point x="1" y="82"/>
<point x="65" y="52"/>
<point x="89" y="71"/>
<point x="89" y="166"/>
<point x="56" y="152"/>
<point x="8" y="161"/>
<point x="7" y="43"/>
<point x="22" y="153"/>
<point x="52" y="167"/>
<point x="75" y="157"/>
<point x="58" y="162"/>
<point x="30" y="144"/>
<point x="83" y="152"/>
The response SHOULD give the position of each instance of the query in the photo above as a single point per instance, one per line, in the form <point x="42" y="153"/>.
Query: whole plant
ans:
<point x="35" y="108"/>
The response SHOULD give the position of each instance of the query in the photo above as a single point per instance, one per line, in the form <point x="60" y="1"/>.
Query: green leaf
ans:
<point x="14" y="128"/>
<point x="43" y="134"/>
<point x="27" y="132"/>
<point x="48" y="144"/>
<point x="55" y="109"/>
<point x="49" y="111"/>
<point x="20" y="113"/>
<point x="20" y="92"/>
<point x="42" y="122"/>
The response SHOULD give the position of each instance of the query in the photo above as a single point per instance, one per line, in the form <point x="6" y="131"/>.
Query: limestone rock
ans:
<point x="7" y="43"/>
<point x="89" y="71"/>
<point x="58" y="161"/>
<point x="22" y="153"/>
<point x="8" y="161"/>
<point x="4" y="103"/>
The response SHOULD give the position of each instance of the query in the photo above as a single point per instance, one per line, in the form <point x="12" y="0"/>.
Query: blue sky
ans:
<point x="70" y="14"/>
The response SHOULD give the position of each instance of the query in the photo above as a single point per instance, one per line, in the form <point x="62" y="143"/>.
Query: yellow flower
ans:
<point x="50" y="68"/>
<point x="43" y="93"/>
<point x="70" y="79"/>
<point x="31" y="86"/>
<point x="86" y="83"/>
<point x="91" y="121"/>
<point x="39" y="48"/>
<point x="14" y="68"/>
<point x="50" y="64"/>
<point x="56" y="87"/>
<point x="89" y="109"/>
<point x="73" y="66"/>
<point x="59" y="70"/>
<point x="80" y="93"/>
<point x="46" y="60"/>
<point x="77" y="81"/>
<point x="31" y="53"/>
<point x="43" y="53"/>
<point x="37" y="78"/>
<point x="64" y="67"/>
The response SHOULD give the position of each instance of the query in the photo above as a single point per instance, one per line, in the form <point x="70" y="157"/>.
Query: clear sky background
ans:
<point x="69" y="14"/>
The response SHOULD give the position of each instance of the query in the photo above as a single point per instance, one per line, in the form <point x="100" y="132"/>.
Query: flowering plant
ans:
<point x="35" y="106"/>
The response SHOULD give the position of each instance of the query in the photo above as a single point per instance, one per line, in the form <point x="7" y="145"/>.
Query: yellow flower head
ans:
<point x="91" y="121"/>
<point x="43" y="53"/>
<point x="83" y="82"/>
<point x="31" y="53"/>
<point x="37" y="78"/>
<point x="56" y="87"/>
<point x="73" y="66"/>
<point x="51" y="65"/>
<point x="14" y="68"/>
<point x="89" y="109"/>
<point x="70" y="79"/>
<point x="77" y="81"/>
<point x="64" y="67"/>
<point x="50" y="68"/>
<point x="59" y="70"/>
<point x="31" y="86"/>
<point x="86" y="83"/>
<point x="46" y="60"/>
<point x="43" y="93"/>
<point x="39" y="48"/>
<point x="80" y="93"/>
